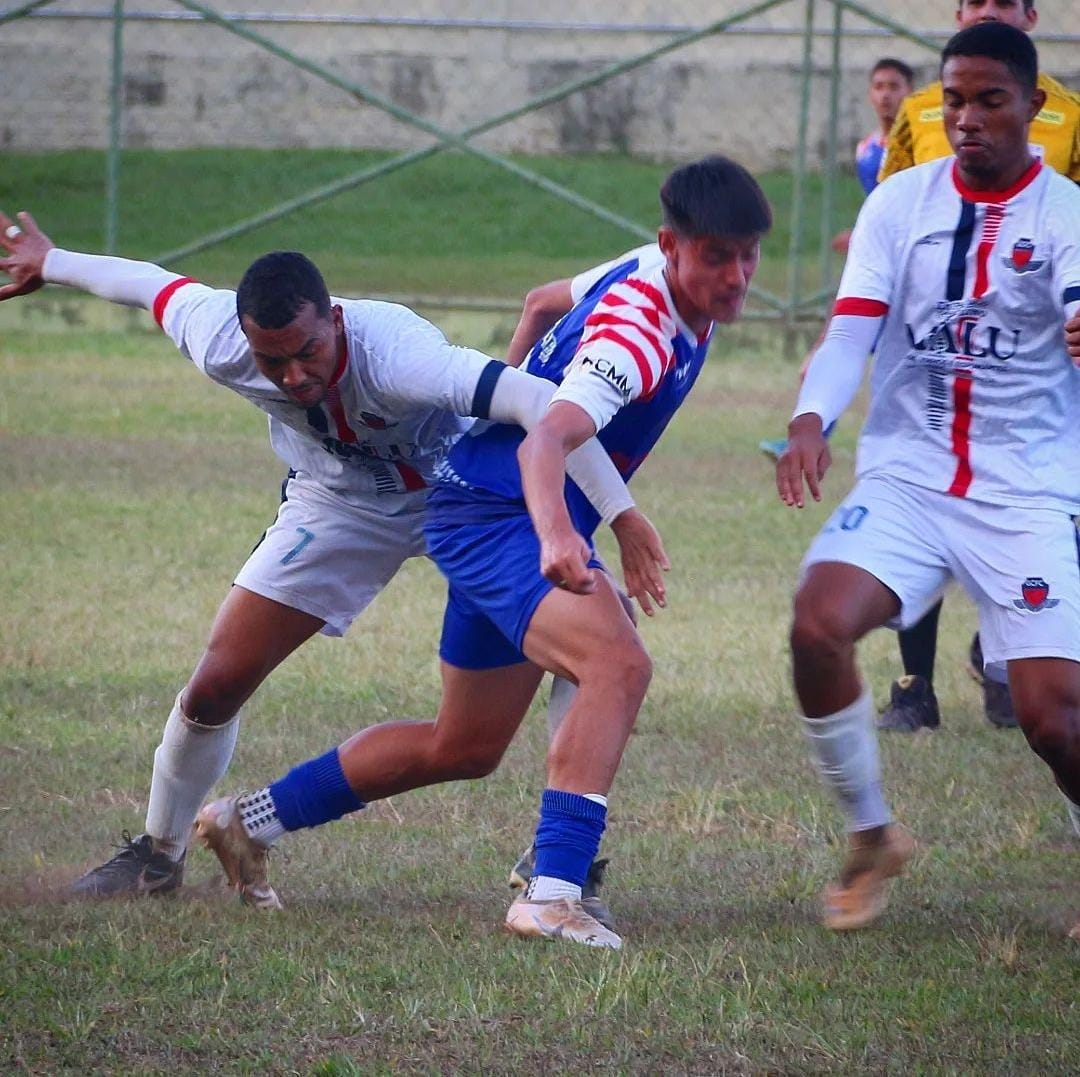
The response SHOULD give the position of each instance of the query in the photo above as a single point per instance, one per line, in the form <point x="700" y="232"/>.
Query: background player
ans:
<point x="524" y="593"/>
<point x="364" y="399"/>
<point x="917" y="137"/>
<point x="964" y="271"/>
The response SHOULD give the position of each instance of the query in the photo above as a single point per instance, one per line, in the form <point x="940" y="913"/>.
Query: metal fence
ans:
<point x="821" y="44"/>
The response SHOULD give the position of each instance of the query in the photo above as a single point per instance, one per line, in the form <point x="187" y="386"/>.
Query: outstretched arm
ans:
<point x="32" y="259"/>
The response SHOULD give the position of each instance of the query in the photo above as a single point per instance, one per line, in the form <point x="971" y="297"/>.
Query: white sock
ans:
<point x="844" y="746"/>
<point x="562" y="695"/>
<point x="1074" y="814"/>
<point x="260" y="817"/>
<point x="187" y="763"/>
<point x="548" y="888"/>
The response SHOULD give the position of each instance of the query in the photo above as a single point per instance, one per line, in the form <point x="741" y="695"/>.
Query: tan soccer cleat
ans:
<point x="243" y="858"/>
<point x="1075" y="933"/>
<point x="860" y="896"/>
<point x="560" y="918"/>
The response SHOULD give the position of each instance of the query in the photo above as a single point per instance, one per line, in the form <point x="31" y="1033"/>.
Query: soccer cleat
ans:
<point x="138" y="868"/>
<point x="997" y="700"/>
<point x="912" y="706"/>
<point x="860" y="896"/>
<point x="773" y="448"/>
<point x="243" y="858"/>
<point x="997" y="705"/>
<point x="1075" y="932"/>
<point x="560" y="918"/>
<point x="591" y="901"/>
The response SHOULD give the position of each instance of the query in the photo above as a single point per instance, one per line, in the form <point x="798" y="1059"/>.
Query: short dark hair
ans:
<point x="890" y="63"/>
<point x="997" y="41"/>
<point x="714" y="197"/>
<point x="277" y="285"/>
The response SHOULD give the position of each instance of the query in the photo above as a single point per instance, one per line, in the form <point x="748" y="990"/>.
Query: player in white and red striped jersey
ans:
<point x="963" y="271"/>
<point x="364" y="399"/>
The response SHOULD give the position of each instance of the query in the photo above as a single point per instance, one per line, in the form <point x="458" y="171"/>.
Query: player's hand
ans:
<point x="644" y="560"/>
<point x="841" y="241"/>
<point x="807" y="457"/>
<point x="564" y="560"/>
<point x="25" y="246"/>
<point x="1072" y="338"/>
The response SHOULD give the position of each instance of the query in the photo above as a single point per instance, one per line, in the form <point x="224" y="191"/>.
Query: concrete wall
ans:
<point x="194" y="84"/>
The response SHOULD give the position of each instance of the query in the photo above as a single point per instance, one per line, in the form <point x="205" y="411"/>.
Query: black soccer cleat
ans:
<point x="997" y="700"/>
<point x="136" y="869"/>
<point x="912" y="706"/>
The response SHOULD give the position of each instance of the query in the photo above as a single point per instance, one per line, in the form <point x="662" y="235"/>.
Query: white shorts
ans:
<point x="330" y="558"/>
<point x="1020" y="566"/>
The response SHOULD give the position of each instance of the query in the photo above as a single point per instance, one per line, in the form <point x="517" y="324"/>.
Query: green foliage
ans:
<point x="132" y="490"/>
<point x="450" y="225"/>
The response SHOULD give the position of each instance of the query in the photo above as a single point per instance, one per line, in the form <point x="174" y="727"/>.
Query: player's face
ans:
<point x="709" y="275"/>
<point x="1011" y="12"/>
<point x="887" y="89"/>
<point x="301" y="357"/>
<point x="987" y="114"/>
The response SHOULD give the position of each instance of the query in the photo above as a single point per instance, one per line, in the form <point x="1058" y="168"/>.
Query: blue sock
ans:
<point x="568" y="836"/>
<point x="314" y="793"/>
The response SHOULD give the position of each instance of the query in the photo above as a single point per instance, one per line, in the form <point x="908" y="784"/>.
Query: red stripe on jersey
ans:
<point x="412" y="478"/>
<point x="961" y="429"/>
<point x="648" y="379"/>
<point x="333" y="402"/>
<point x="612" y="299"/>
<point x="969" y="195"/>
<point x="595" y="319"/>
<point x="991" y="227"/>
<point x="343" y="358"/>
<point x="864" y="308"/>
<point x="161" y="300"/>
<point x="651" y="292"/>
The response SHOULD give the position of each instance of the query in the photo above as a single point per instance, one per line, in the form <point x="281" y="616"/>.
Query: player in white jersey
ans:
<point x="364" y="400"/>
<point x="964" y="271"/>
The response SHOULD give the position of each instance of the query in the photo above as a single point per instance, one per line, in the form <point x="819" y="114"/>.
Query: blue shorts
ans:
<point x="493" y="569"/>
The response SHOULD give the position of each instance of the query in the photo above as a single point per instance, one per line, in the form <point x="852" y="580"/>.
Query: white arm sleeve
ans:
<point x="836" y="370"/>
<point x="120" y="280"/>
<point x="523" y="399"/>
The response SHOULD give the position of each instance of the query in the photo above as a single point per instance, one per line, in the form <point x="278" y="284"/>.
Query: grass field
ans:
<point x="131" y="489"/>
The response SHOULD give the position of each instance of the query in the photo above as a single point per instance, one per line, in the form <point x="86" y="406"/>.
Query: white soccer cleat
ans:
<point x="560" y="918"/>
<point x="245" y="861"/>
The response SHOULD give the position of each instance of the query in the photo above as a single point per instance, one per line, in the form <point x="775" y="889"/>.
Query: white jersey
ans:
<point x="973" y="392"/>
<point x="398" y="400"/>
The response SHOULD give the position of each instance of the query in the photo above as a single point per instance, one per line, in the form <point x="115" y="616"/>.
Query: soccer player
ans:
<point x="364" y="399"/>
<point x="891" y="80"/>
<point x="963" y="270"/>
<point x="525" y="594"/>
<point x="918" y="136"/>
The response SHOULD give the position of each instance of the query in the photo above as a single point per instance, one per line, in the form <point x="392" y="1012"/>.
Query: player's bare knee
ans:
<point x="819" y="636"/>
<point x="208" y="703"/>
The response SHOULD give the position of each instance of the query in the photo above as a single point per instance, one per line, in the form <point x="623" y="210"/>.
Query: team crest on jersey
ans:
<point x="1035" y="591"/>
<point x="1020" y="261"/>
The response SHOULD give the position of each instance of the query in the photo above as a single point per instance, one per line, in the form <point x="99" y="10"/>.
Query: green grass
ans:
<point x="451" y="225"/>
<point x="131" y="491"/>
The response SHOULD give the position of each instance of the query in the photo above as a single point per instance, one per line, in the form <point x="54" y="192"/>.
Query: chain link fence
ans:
<point x="778" y="84"/>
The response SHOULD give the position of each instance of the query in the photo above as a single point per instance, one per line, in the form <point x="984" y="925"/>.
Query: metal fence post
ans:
<point x="112" y="164"/>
